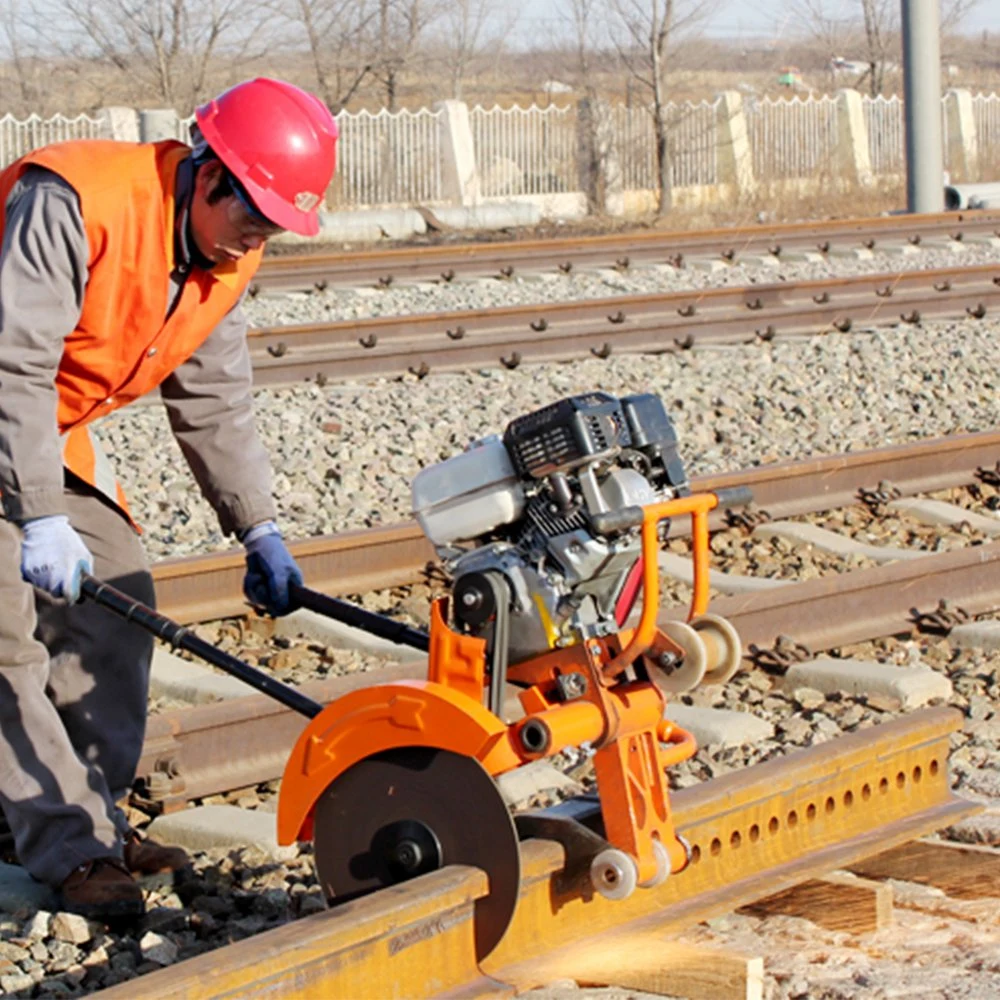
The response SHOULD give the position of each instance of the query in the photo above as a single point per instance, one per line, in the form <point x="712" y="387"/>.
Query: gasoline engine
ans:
<point x="540" y="529"/>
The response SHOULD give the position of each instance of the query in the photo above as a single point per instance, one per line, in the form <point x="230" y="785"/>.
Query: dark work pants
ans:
<point x="73" y="687"/>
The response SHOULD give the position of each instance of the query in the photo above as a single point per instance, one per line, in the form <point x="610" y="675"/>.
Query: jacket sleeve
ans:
<point x="43" y="274"/>
<point x="210" y="407"/>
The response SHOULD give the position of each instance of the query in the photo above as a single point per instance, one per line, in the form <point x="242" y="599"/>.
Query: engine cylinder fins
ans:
<point x="686" y="673"/>
<point x="723" y="648"/>
<point x="405" y="812"/>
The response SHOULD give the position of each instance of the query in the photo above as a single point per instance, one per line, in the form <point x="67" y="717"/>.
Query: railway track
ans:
<point x="420" y="344"/>
<point x="860" y="801"/>
<point x="773" y="827"/>
<point x="753" y="834"/>
<point x="448" y="262"/>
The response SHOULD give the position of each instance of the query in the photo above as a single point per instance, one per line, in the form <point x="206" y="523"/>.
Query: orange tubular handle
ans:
<point x="697" y="505"/>
<point x="683" y="745"/>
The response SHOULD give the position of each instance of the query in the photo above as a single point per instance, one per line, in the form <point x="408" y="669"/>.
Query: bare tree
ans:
<point x="582" y="18"/>
<point x="168" y="44"/>
<point x="337" y="37"/>
<point x="398" y="26"/>
<point x="471" y="28"/>
<point x="16" y="33"/>
<point x="875" y="26"/>
<point x="649" y="33"/>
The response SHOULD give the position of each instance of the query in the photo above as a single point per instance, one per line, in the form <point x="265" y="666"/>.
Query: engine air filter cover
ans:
<point x="566" y="434"/>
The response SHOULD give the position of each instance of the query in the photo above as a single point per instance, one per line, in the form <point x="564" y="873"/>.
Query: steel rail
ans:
<point x="215" y="748"/>
<point x="445" y="262"/>
<point x="200" y="588"/>
<point x="455" y="341"/>
<point x="753" y="833"/>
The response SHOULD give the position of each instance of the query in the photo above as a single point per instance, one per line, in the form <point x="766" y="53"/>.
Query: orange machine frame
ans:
<point x="619" y="717"/>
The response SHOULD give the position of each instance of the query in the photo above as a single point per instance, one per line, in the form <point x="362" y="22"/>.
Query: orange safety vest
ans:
<point x="123" y="345"/>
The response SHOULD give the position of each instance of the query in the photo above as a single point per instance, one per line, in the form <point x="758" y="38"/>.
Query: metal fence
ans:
<point x="886" y="136"/>
<point x="986" y="111"/>
<point x="791" y="138"/>
<point x="525" y="150"/>
<point x="387" y="158"/>
<point x="692" y="144"/>
<point x="20" y="136"/>
<point x="395" y="158"/>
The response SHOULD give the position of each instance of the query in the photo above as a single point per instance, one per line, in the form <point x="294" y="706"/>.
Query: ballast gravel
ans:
<point x="344" y="456"/>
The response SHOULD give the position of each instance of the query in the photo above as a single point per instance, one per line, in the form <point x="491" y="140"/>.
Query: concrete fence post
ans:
<point x="158" y="123"/>
<point x="459" y="174"/>
<point x="598" y="161"/>
<point x="733" y="154"/>
<point x="853" y="156"/>
<point x="119" y="123"/>
<point x="963" y="139"/>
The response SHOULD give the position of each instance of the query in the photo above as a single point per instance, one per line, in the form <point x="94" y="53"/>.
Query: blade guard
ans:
<point x="385" y="717"/>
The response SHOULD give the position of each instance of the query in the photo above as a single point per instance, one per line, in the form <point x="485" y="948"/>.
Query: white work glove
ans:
<point x="54" y="557"/>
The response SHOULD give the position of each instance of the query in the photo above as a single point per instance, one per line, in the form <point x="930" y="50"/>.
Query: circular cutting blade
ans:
<point x="408" y="811"/>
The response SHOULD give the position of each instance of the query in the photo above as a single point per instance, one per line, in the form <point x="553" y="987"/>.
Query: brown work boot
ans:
<point x="147" y="857"/>
<point x="103" y="889"/>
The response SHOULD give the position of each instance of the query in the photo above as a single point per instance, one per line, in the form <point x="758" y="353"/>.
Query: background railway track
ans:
<point x="631" y="324"/>
<point x="448" y="262"/>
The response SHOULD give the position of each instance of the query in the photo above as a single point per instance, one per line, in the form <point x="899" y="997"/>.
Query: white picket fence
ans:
<point x="21" y="135"/>
<point x="524" y="150"/>
<point x="395" y="158"/>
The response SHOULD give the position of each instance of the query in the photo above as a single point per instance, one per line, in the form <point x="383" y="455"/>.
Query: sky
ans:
<point x="745" y="18"/>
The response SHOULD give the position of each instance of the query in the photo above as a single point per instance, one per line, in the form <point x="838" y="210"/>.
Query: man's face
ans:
<point x="227" y="228"/>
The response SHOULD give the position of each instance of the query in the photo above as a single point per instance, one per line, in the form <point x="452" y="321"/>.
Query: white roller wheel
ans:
<point x="723" y="648"/>
<point x="662" y="867"/>
<point x="613" y="874"/>
<point x="689" y="672"/>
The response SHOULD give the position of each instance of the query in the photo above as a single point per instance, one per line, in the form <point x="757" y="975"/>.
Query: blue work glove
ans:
<point x="54" y="557"/>
<point x="270" y="569"/>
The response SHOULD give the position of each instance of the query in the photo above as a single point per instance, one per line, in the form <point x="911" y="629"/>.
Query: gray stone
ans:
<point x="204" y="827"/>
<point x="62" y="955"/>
<point x="37" y="928"/>
<point x="534" y="778"/>
<point x="976" y="635"/>
<point x="719" y="726"/>
<point x="157" y="948"/>
<point x="71" y="927"/>
<point x="16" y="983"/>
<point x="13" y="952"/>
<point x="808" y="697"/>
<point x="182" y="680"/>
<point x="831" y="541"/>
<point x="913" y="686"/>
<point x="340" y="636"/>
<point x="682" y="568"/>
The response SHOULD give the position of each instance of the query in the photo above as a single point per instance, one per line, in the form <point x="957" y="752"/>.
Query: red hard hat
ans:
<point x="280" y="143"/>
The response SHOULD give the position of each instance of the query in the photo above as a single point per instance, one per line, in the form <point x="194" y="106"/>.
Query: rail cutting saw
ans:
<point x="548" y="643"/>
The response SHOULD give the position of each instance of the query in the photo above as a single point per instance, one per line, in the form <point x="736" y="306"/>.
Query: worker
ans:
<point x="122" y="268"/>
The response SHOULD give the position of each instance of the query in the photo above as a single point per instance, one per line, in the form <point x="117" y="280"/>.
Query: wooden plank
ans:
<point x="838" y="902"/>
<point x="964" y="871"/>
<point x="651" y="963"/>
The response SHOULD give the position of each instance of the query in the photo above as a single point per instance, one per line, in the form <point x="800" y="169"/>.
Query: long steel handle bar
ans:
<point x="350" y="614"/>
<point x="181" y="637"/>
